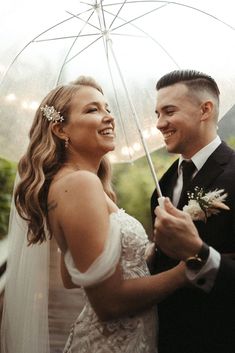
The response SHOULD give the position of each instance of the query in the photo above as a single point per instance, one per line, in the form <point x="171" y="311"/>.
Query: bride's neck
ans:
<point x="82" y="164"/>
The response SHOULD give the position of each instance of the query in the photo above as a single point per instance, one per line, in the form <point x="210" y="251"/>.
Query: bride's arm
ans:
<point x="84" y="218"/>
<point x="117" y="297"/>
<point x="66" y="278"/>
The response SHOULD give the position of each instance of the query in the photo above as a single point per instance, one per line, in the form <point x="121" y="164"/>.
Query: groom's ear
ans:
<point x="206" y="110"/>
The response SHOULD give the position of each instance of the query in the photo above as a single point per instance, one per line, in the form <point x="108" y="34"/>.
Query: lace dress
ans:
<point x="130" y="334"/>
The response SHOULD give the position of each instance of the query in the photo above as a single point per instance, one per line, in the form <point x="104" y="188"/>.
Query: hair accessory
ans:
<point x="51" y="114"/>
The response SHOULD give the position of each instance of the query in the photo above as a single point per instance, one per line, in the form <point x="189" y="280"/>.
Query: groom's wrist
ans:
<point x="198" y="259"/>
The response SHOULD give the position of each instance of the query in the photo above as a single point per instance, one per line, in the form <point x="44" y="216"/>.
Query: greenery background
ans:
<point x="7" y="176"/>
<point x="132" y="182"/>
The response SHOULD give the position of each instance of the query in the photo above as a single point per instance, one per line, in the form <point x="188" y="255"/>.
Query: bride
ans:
<point x="65" y="192"/>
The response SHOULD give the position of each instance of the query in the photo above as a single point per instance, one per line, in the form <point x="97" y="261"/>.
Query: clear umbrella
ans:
<point x="126" y="45"/>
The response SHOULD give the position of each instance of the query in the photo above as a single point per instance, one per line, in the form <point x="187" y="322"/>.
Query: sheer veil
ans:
<point x="24" y="326"/>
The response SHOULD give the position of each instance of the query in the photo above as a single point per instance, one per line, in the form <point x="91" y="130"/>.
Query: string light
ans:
<point x="11" y="97"/>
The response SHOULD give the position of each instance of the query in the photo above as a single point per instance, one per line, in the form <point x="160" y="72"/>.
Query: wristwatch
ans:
<point x="196" y="262"/>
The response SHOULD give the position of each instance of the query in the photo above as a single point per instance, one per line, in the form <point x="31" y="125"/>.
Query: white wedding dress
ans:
<point x="131" y="334"/>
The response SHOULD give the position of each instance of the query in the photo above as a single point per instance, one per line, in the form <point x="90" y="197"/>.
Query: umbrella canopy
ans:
<point x="125" y="45"/>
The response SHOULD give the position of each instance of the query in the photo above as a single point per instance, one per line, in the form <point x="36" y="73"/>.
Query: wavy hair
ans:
<point x="44" y="157"/>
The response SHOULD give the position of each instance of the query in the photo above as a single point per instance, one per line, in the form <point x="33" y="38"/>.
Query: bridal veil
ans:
<point x="24" y="326"/>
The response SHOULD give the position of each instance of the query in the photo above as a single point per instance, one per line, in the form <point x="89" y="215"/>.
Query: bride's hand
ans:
<point x="180" y="268"/>
<point x="150" y="252"/>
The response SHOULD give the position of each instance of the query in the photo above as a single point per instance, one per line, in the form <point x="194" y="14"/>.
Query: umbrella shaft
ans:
<point x="136" y="119"/>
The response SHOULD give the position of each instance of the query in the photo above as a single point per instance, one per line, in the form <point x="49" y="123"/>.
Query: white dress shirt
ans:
<point x="199" y="159"/>
<point x="204" y="278"/>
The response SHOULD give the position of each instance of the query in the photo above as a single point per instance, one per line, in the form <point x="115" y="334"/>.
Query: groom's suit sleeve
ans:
<point x="224" y="286"/>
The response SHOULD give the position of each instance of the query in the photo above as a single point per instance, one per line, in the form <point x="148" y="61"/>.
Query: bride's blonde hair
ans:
<point x="44" y="157"/>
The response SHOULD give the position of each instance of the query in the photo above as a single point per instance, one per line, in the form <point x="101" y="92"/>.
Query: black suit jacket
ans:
<point x="192" y="321"/>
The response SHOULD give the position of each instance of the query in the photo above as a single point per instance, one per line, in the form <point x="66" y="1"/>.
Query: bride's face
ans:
<point x="91" y="126"/>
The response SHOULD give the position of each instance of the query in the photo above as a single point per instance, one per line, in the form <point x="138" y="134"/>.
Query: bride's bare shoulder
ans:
<point x="73" y="181"/>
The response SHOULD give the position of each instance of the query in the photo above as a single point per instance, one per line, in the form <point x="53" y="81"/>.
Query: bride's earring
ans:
<point x="66" y="143"/>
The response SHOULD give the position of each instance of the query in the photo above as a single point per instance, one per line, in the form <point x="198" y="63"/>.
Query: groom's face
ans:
<point x="178" y="119"/>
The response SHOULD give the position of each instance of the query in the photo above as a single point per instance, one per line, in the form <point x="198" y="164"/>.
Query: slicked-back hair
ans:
<point x="194" y="80"/>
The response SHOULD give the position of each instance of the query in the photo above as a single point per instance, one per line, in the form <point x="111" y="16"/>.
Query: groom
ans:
<point x="195" y="319"/>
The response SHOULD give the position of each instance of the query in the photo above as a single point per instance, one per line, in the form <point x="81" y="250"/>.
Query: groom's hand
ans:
<point x="175" y="232"/>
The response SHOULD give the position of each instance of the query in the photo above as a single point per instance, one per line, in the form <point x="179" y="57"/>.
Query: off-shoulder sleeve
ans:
<point x="104" y="265"/>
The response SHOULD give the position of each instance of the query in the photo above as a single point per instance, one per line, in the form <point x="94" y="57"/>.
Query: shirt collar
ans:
<point x="201" y="156"/>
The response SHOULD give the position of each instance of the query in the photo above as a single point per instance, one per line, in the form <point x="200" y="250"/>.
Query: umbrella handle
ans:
<point x="161" y="201"/>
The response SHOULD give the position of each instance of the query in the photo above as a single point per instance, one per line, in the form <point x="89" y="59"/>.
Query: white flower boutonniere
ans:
<point x="202" y="205"/>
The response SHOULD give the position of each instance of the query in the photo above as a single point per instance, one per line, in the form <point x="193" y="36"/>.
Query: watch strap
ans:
<point x="196" y="262"/>
<point x="204" y="252"/>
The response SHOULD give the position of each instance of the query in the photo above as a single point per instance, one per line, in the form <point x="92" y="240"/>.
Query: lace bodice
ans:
<point x="130" y="334"/>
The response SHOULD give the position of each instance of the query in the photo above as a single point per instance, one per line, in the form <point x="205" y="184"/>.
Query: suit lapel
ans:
<point x="167" y="183"/>
<point x="213" y="167"/>
<point x="205" y="178"/>
<point x="168" y="180"/>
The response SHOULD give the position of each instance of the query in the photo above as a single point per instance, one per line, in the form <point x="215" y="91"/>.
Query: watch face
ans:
<point x="194" y="263"/>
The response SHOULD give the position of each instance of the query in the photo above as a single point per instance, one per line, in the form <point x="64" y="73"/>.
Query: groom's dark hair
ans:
<point x="192" y="79"/>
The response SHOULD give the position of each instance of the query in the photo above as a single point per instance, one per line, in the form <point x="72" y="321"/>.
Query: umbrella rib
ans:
<point x="14" y="60"/>
<point x="99" y="29"/>
<point x="129" y="35"/>
<point x="102" y="11"/>
<point x="67" y="37"/>
<point x="115" y="91"/>
<point x="179" y="4"/>
<point x="114" y="88"/>
<point x="117" y="14"/>
<point x="150" y="37"/>
<point x="136" y="119"/>
<point x="60" y="23"/>
<point x="81" y="19"/>
<point x="136" y="18"/>
<point x="102" y="28"/>
<point x="33" y="40"/>
<point x="69" y="51"/>
<point x="119" y="109"/>
<point x="204" y="12"/>
<point x="86" y="3"/>
<point x="83" y="50"/>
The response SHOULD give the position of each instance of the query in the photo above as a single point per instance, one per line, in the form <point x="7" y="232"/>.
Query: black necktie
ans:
<point x="188" y="168"/>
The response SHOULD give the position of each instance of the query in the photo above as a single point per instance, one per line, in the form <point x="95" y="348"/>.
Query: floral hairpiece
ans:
<point x="202" y="205"/>
<point x="51" y="114"/>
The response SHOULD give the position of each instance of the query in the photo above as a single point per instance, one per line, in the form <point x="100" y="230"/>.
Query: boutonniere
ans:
<point x="203" y="204"/>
